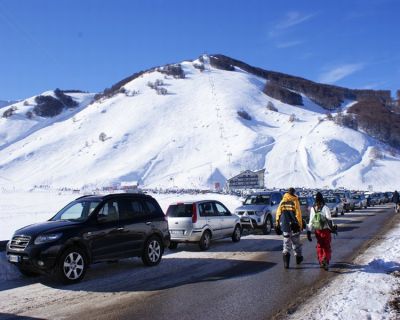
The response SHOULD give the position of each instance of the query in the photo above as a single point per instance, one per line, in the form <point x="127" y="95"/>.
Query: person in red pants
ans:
<point x="321" y="223"/>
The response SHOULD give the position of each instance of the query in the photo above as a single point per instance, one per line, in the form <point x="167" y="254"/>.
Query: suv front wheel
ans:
<point x="152" y="251"/>
<point x="267" y="225"/>
<point x="71" y="265"/>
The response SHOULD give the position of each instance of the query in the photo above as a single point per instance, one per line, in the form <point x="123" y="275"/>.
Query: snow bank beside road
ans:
<point x="363" y="290"/>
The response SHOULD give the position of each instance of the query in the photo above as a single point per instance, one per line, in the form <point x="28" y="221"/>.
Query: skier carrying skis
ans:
<point x="289" y="222"/>
<point x="321" y="223"/>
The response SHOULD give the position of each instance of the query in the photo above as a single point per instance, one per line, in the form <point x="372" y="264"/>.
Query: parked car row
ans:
<point x="97" y="228"/>
<point x="376" y="198"/>
<point x="94" y="229"/>
<point x="356" y="200"/>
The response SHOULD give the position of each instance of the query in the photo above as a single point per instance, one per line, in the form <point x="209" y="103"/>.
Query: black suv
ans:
<point x="88" y="230"/>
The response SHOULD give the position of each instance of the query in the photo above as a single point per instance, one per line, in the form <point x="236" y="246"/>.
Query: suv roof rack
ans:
<point x="85" y="196"/>
<point x="108" y="195"/>
<point x="126" y="194"/>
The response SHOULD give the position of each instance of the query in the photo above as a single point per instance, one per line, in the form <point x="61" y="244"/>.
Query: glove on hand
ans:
<point x="278" y="229"/>
<point x="309" y="236"/>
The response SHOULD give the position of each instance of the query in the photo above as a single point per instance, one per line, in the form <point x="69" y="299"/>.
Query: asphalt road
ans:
<point x="231" y="280"/>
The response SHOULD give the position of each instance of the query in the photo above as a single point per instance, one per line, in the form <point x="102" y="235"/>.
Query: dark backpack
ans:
<point x="288" y="219"/>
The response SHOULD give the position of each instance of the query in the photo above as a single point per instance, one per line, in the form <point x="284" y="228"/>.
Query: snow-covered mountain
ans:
<point x="18" y="120"/>
<point x="189" y="126"/>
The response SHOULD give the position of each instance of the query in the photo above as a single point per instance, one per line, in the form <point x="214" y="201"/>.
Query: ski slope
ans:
<point x="191" y="137"/>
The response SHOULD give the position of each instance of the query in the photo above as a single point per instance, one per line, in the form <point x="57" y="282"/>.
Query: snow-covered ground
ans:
<point x="364" y="289"/>
<point x="191" y="137"/>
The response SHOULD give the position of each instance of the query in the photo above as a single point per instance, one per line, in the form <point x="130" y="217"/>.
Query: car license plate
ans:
<point x="245" y="219"/>
<point x="176" y="231"/>
<point x="13" y="258"/>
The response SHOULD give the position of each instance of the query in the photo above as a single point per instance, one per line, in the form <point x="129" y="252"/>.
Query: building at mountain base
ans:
<point x="247" y="180"/>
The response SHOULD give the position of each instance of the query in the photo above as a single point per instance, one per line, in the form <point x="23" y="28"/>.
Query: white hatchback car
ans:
<point x="200" y="222"/>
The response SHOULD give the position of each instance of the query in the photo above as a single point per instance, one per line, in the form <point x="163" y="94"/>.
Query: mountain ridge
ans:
<point x="290" y="82"/>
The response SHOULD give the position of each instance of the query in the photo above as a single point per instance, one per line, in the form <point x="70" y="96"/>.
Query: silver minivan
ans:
<point x="200" y="222"/>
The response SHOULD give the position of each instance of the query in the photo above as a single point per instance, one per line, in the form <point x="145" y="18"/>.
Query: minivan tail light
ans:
<point x="194" y="213"/>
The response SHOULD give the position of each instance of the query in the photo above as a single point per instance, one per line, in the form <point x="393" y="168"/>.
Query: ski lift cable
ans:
<point x="217" y="108"/>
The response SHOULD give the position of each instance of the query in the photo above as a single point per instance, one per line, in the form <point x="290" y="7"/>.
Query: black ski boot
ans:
<point x="286" y="260"/>
<point x="299" y="259"/>
<point x="325" y="265"/>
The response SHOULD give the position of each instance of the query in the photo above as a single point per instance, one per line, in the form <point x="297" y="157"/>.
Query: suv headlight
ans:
<point x="44" y="238"/>
<point x="259" y="213"/>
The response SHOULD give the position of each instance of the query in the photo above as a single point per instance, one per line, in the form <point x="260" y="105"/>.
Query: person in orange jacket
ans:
<point x="289" y="223"/>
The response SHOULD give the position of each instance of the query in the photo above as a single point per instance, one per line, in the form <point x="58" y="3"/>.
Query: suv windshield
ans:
<point x="340" y="195"/>
<point x="330" y="200"/>
<point x="76" y="211"/>
<point x="258" y="199"/>
<point x="303" y="201"/>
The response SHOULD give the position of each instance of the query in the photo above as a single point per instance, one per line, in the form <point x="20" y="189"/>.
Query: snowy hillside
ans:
<point x="189" y="132"/>
<point x="18" y="120"/>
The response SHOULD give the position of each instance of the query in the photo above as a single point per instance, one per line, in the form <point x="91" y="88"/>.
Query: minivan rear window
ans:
<point x="180" y="210"/>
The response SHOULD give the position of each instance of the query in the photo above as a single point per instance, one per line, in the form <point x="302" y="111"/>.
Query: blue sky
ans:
<point x="91" y="44"/>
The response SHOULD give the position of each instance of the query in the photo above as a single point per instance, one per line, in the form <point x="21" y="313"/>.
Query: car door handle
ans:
<point x="148" y="223"/>
<point x="120" y="229"/>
